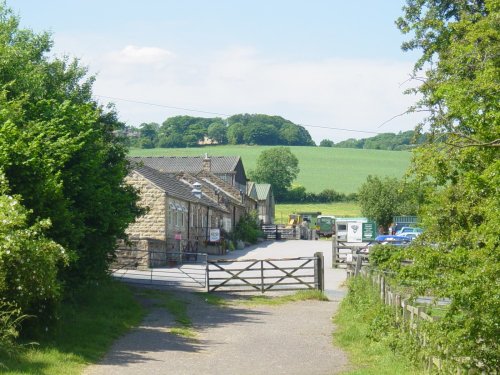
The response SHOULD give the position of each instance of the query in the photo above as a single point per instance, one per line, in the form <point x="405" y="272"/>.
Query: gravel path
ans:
<point x="295" y="338"/>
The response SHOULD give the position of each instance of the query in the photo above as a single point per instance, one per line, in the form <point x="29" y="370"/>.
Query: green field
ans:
<point x="341" y="169"/>
<point x="338" y="209"/>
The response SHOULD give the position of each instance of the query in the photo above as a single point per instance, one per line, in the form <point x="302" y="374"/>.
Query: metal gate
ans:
<point x="182" y="270"/>
<point x="266" y="274"/>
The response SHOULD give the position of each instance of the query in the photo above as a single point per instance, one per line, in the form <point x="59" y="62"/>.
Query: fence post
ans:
<point x="262" y="276"/>
<point x="319" y="270"/>
<point x="359" y="259"/>
<point x="382" y="288"/>
<point x="335" y="250"/>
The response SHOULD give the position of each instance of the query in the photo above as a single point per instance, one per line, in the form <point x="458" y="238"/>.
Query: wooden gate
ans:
<point x="266" y="274"/>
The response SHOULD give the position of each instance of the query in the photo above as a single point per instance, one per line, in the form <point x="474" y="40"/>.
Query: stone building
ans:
<point x="176" y="220"/>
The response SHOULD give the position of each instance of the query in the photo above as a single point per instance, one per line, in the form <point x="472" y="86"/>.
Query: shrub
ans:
<point x="247" y="228"/>
<point x="29" y="262"/>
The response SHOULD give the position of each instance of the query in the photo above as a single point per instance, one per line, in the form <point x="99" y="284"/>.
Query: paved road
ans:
<point x="290" y="339"/>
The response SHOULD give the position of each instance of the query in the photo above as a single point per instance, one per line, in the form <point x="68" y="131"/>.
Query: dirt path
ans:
<point x="295" y="338"/>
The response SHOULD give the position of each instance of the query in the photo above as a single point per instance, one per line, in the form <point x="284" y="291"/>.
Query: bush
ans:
<point x="29" y="262"/>
<point x="247" y="228"/>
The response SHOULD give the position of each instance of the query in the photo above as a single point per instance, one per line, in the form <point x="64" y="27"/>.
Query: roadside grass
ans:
<point x="340" y="209"/>
<point x="354" y="318"/>
<point x="301" y="295"/>
<point x="175" y="306"/>
<point x="89" y="323"/>
<point x="341" y="169"/>
<point x="257" y="300"/>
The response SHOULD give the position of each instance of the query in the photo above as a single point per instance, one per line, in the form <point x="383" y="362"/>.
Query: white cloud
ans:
<point x="353" y="94"/>
<point x="141" y="55"/>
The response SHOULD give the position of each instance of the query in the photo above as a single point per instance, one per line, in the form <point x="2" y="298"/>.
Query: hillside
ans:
<point x="343" y="170"/>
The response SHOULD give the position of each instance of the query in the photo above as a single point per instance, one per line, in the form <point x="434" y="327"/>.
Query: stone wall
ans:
<point x="153" y="224"/>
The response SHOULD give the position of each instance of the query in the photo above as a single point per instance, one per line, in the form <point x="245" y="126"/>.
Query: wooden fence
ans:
<point x="407" y="312"/>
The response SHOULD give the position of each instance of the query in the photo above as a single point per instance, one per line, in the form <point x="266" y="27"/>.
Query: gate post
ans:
<point x="319" y="270"/>
<point x="207" y="276"/>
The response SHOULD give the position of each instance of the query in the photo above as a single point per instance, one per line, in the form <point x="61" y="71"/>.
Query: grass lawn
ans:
<point x="341" y="209"/>
<point x="89" y="324"/>
<point x="341" y="169"/>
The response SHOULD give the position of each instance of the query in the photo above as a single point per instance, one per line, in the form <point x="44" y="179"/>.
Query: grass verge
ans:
<point x="302" y="295"/>
<point x="175" y="306"/>
<point x="89" y="324"/>
<point x="356" y="319"/>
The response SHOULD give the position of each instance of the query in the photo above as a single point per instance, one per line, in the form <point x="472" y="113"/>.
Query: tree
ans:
<point x="459" y="75"/>
<point x="59" y="152"/>
<point x="277" y="166"/>
<point x="149" y="134"/>
<point x="218" y="132"/>
<point x="383" y="198"/>
<point x="326" y="143"/>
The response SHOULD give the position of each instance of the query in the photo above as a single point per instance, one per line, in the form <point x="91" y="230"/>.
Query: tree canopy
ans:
<point x="187" y="131"/>
<point x="277" y="166"/>
<point x="59" y="157"/>
<point x="459" y="166"/>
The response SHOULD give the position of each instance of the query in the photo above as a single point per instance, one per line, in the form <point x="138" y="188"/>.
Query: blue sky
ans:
<point x="324" y="63"/>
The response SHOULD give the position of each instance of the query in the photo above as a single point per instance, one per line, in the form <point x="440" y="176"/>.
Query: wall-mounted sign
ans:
<point x="214" y="235"/>
<point x="178" y="236"/>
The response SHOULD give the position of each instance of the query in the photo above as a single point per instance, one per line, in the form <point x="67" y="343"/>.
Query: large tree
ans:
<point x="383" y="198"/>
<point x="277" y="166"/>
<point x="59" y="151"/>
<point x="459" y="75"/>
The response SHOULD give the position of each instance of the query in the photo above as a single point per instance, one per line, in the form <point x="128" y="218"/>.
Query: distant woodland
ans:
<point x="249" y="129"/>
<point x="187" y="131"/>
<point x="385" y="141"/>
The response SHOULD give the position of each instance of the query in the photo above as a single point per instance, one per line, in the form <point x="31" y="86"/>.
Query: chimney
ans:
<point x="207" y="164"/>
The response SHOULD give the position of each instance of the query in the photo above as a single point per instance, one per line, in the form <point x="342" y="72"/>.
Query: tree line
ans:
<point x="386" y="141"/>
<point x="249" y="129"/>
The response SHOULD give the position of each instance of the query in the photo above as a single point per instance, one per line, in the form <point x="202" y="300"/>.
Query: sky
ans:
<point x="323" y="64"/>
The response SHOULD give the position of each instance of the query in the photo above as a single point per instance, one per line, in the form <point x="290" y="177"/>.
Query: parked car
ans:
<point x="387" y="240"/>
<point x="405" y="230"/>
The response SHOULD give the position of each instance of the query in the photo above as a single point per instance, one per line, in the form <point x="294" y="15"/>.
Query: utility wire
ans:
<point x="227" y="115"/>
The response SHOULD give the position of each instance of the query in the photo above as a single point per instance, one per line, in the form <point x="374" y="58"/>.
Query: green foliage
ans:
<point x="383" y="255"/>
<point x="367" y="331"/>
<point x="460" y="167"/>
<point x="59" y="151"/>
<point x="187" y="131"/>
<point x="89" y="322"/>
<point x="386" y="141"/>
<point x="10" y="320"/>
<point x="326" y="143"/>
<point x="247" y="228"/>
<point x="383" y="198"/>
<point x="298" y="194"/>
<point x="278" y="167"/>
<point x="29" y="261"/>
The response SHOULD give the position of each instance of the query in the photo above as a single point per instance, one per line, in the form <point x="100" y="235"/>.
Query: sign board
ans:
<point x="178" y="236"/>
<point x="369" y="231"/>
<point x="214" y="235"/>
<point x="354" y="232"/>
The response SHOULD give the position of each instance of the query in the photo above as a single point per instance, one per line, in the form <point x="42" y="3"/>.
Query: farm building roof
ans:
<point x="173" y="187"/>
<point x="190" y="164"/>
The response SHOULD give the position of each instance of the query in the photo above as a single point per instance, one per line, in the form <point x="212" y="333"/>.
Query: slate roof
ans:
<point x="173" y="187"/>
<point x="263" y="191"/>
<point x="190" y="164"/>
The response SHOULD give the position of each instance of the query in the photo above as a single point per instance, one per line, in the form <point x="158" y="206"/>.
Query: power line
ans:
<point x="227" y="115"/>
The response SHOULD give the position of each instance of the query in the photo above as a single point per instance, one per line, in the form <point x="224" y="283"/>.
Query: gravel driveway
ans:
<point x="295" y="338"/>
